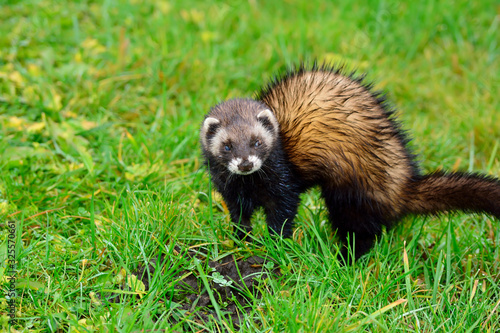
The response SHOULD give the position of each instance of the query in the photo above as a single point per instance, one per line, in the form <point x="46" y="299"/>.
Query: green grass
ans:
<point x="100" y="105"/>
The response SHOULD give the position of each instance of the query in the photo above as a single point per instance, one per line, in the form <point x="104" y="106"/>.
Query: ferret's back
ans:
<point x="336" y="130"/>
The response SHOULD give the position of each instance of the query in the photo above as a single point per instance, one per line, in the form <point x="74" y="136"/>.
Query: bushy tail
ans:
<point x="467" y="192"/>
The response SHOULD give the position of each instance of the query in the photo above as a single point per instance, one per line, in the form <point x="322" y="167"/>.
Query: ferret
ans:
<point x="320" y="126"/>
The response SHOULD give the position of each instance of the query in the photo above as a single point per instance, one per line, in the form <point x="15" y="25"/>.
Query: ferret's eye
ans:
<point x="257" y="143"/>
<point x="227" y="148"/>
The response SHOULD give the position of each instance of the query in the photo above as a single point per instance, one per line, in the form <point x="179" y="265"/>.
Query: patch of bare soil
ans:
<point x="232" y="280"/>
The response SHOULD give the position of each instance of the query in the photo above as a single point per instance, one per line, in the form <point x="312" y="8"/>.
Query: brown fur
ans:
<point x="335" y="129"/>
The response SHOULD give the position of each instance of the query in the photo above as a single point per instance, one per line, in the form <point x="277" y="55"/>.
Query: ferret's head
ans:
<point x="239" y="134"/>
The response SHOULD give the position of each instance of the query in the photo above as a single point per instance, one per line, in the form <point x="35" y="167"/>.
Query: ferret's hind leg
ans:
<point x="357" y="219"/>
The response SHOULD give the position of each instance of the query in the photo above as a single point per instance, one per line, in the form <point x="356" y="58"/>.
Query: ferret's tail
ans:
<point x="468" y="192"/>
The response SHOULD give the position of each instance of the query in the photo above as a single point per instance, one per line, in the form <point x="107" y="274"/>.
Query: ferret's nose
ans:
<point x="245" y="166"/>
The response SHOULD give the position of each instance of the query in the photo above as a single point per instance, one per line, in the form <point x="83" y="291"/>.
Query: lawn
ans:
<point x="115" y="224"/>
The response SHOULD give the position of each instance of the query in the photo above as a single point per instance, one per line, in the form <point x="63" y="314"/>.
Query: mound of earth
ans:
<point x="232" y="281"/>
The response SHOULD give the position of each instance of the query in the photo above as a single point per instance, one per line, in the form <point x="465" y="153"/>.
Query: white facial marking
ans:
<point x="257" y="162"/>
<point x="233" y="165"/>
<point x="235" y="162"/>
<point x="219" y="137"/>
<point x="264" y="133"/>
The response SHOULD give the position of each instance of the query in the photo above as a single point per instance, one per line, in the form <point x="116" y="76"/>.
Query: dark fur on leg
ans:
<point x="280" y="214"/>
<point x="358" y="221"/>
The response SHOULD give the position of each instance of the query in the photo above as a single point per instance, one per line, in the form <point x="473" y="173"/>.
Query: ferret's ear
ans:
<point x="210" y="126"/>
<point x="267" y="118"/>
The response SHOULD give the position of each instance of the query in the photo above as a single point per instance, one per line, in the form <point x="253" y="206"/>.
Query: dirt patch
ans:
<point x="233" y="281"/>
